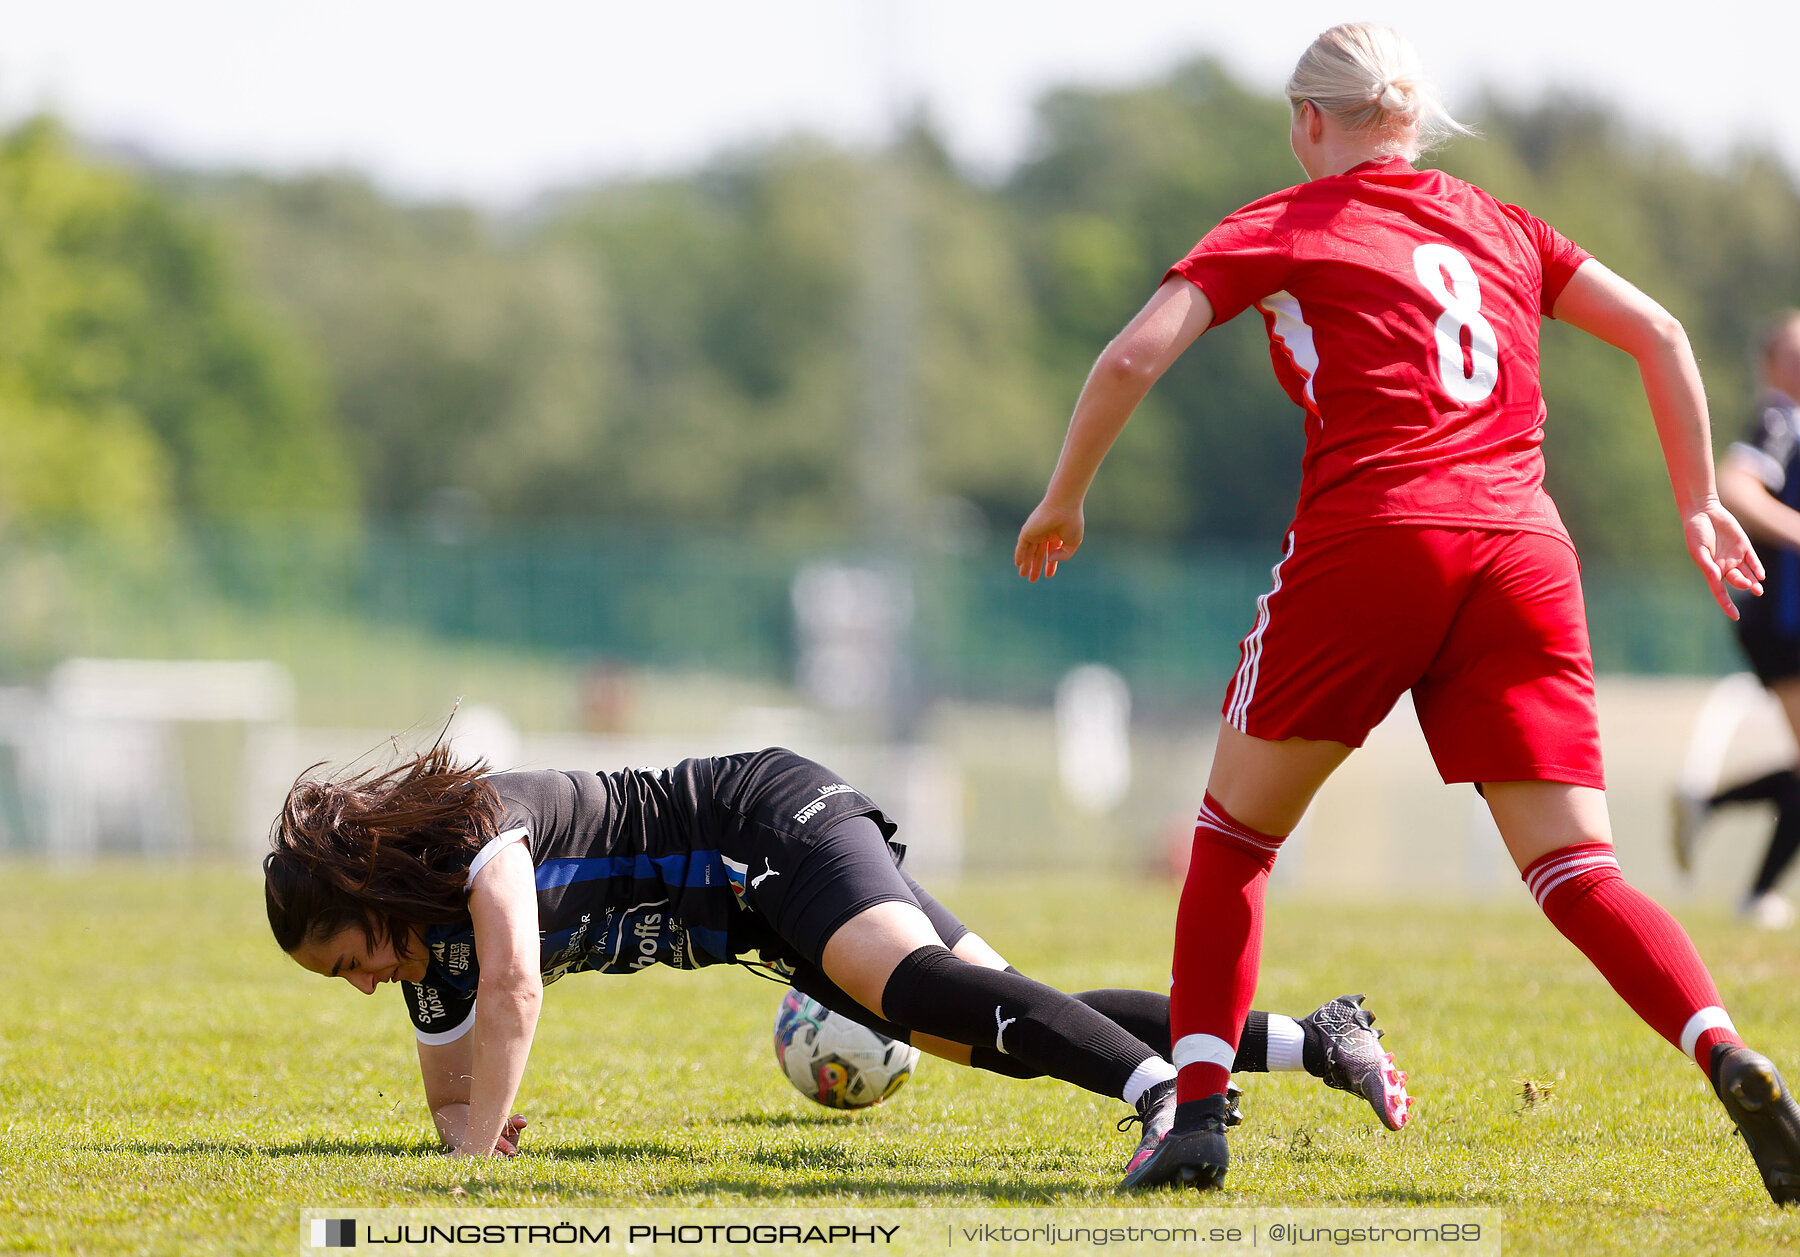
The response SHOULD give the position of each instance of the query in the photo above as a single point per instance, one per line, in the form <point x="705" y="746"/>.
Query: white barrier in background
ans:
<point x="93" y="763"/>
<point x="97" y="763"/>
<point x="103" y="746"/>
<point x="1093" y="737"/>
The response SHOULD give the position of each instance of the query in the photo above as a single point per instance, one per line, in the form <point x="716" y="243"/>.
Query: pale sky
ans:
<point x="498" y="101"/>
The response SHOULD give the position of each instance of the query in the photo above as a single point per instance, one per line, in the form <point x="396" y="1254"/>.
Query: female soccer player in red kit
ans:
<point x="1402" y="308"/>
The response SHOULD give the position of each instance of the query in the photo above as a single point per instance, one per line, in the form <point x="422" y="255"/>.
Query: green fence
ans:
<point x="1168" y="619"/>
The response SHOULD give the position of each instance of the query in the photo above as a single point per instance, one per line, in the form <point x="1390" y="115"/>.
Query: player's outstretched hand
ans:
<point x="1723" y="554"/>
<point x="1049" y="537"/>
<point x="506" y="1146"/>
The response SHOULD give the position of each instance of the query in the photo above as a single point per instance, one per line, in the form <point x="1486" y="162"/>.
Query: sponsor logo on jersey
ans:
<point x="456" y="957"/>
<point x="818" y="805"/>
<point x="735" y="873"/>
<point x="778" y="964"/>
<point x="635" y="938"/>
<point x="647" y="930"/>
<point x="572" y="955"/>
<point x="429" y="1004"/>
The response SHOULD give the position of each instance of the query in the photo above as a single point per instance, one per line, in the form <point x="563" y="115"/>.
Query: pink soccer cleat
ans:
<point x="1348" y="1050"/>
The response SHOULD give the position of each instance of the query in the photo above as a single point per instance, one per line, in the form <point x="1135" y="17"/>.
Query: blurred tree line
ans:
<point x="695" y="349"/>
<point x="140" y="376"/>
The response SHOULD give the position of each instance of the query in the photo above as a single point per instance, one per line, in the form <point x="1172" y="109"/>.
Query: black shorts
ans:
<point x="1768" y="629"/>
<point x="847" y="870"/>
<point x="846" y="874"/>
<point x="815" y="851"/>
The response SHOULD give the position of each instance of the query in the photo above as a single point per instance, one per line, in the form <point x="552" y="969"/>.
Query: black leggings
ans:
<point x="849" y="869"/>
<point x="1783" y="789"/>
<point x="852" y="869"/>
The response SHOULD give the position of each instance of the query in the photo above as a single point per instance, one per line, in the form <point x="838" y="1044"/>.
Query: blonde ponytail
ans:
<point x="1369" y="78"/>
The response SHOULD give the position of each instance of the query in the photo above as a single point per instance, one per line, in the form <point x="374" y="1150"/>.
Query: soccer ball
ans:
<point x="835" y="1061"/>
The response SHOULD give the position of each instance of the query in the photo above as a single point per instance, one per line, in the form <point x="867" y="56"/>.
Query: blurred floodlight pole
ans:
<point x="852" y="622"/>
<point x="889" y="479"/>
<point x="890" y="307"/>
<point x="1093" y="738"/>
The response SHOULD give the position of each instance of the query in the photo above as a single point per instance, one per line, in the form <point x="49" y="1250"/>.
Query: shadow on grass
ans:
<point x="1417" y="1196"/>
<point x="845" y="1181"/>
<point x="305" y="1148"/>
<point x="1040" y="1192"/>
<point x="827" y="1157"/>
<point x="847" y="1171"/>
<point x="626" y="1150"/>
<point x="870" y="1190"/>
<point x="821" y="1121"/>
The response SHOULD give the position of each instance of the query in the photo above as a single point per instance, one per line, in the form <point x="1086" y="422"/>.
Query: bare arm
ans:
<point x="503" y="907"/>
<point x="447" y="1069"/>
<point x="1604" y="305"/>
<point x="1137" y="357"/>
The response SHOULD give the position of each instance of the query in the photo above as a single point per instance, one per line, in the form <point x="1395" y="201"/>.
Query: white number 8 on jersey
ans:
<point x="1461" y="300"/>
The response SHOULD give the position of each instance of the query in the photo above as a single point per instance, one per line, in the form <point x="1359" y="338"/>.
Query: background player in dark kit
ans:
<point x="1402" y="308"/>
<point x="473" y="890"/>
<point x="1759" y="481"/>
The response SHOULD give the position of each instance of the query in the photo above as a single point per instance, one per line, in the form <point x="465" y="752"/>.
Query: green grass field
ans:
<point x="169" y="1082"/>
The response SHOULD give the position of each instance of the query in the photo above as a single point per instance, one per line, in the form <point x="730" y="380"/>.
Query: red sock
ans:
<point x="1636" y="945"/>
<point x="1218" y="947"/>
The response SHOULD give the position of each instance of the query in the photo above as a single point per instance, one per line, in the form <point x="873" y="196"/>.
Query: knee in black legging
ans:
<point x="812" y="981"/>
<point x="933" y="992"/>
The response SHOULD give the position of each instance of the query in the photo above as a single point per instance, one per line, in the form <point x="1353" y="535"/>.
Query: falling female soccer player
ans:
<point x="1402" y="308"/>
<point x="473" y="890"/>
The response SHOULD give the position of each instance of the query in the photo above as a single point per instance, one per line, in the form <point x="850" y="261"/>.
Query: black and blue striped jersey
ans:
<point x="1771" y="449"/>
<point x="640" y="867"/>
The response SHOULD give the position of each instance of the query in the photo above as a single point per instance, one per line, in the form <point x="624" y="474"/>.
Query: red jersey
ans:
<point x="1402" y="307"/>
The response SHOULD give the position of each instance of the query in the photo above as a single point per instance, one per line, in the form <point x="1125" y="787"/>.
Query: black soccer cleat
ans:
<point x="1343" y="1050"/>
<point x="1193" y="1152"/>
<point x="1156" y="1113"/>
<point x="1753" y="1092"/>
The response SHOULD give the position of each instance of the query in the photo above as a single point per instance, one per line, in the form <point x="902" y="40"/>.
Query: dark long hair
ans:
<point x="386" y="850"/>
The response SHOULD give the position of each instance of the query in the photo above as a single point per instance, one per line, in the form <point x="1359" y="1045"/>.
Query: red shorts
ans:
<point x="1487" y="629"/>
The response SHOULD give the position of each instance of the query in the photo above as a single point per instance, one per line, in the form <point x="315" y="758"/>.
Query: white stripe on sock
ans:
<point x="1204" y="1049"/>
<point x="1712" y="1018"/>
<point x="1154" y="1070"/>
<point x="1546" y="881"/>
<point x="1585" y="859"/>
<point x="1287" y="1043"/>
<point x="1228" y="828"/>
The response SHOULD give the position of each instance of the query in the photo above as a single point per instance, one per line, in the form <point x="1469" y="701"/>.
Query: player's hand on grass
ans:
<point x="1051" y="536"/>
<point x="506" y="1146"/>
<point x="1723" y="553"/>
<point x="508" y="1143"/>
